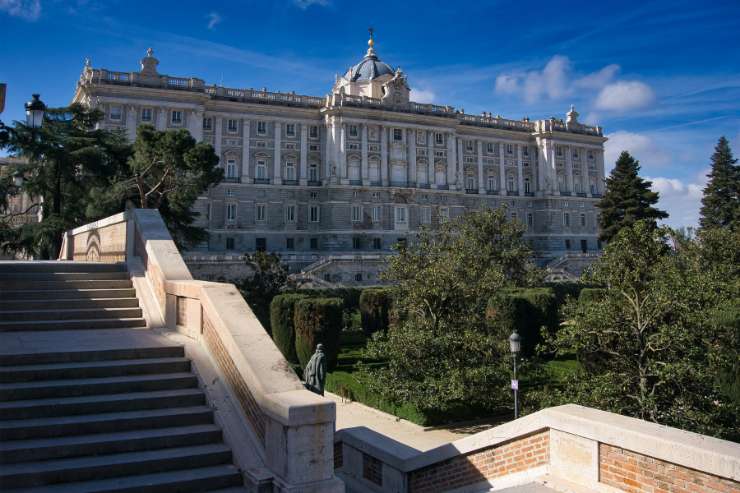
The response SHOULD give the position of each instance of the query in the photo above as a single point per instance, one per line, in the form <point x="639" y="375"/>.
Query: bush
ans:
<point x="374" y="307"/>
<point x="565" y="289"/>
<point x="526" y="310"/>
<point x="350" y="296"/>
<point x="282" y="308"/>
<point x="317" y="320"/>
<point x="591" y="294"/>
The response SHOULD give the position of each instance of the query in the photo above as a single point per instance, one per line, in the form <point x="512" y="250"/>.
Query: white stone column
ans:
<point x="195" y="125"/>
<point x="131" y="123"/>
<point x="245" y="151"/>
<point x="479" y="150"/>
<point x="451" y="160"/>
<point x="303" y="172"/>
<point x="161" y="124"/>
<point x="541" y="165"/>
<point x="552" y="169"/>
<point x="278" y="165"/>
<point x="364" y="170"/>
<point x="569" y="169"/>
<point x="600" y="171"/>
<point x="384" y="156"/>
<point x="411" y="161"/>
<point x="217" y="133"/>
<point x="452" y="174"/>
<point x="431" y="172"/>
<point x="519" y="170"/>
<point x="501" y="169"/>
<point x="343" y="155"/>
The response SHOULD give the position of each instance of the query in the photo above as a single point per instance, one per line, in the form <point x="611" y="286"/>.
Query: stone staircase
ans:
<point x="67" y="296"/>
<point x="86" y="409"/>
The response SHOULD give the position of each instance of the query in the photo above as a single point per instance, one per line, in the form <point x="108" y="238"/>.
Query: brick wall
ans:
<point x="636" y="473"/>
<point x="492" y="462"/>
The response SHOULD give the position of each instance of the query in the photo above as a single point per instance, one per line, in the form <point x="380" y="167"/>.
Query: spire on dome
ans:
<point x="371" y="43"/>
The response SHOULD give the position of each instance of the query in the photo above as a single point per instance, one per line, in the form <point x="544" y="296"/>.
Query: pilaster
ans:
<point x="245" y="151"/>
<point x="519" y="170"/>
<point x="569" y="169"/>
<point x="479" y="150"/>
<point x="344" y="178"/>
<point x="384" y="156"/>
<point x="217" y="134"/>
<point x="303" y="170"/>
<point x="195" y="125"/>
<point x="277" y="164"/>
<point x="364" y="171"/>
<point x="453" y="175"/>
<point x="411" y="161"/>
<point x="131" y="123"/>
<point x="161" y="124"/>
<point x="431" y="173"/>
<point x="501" y="169"/>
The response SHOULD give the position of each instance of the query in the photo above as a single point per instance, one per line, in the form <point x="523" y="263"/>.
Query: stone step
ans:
<point x="86" y="324"/>
<point x="54" y="266"/>
<point x="69" y="304"/>
<point x="6" y="277"/>
<point x="95" y="386"/>
<point x="29" y="474"/>
<point x="183" y="481"/>
<point x="92" y="369"/>
<point x="112" y="354"/>
<point x="98" y="404"/>
<point x="70" y="314"/>
<point x="87" y="424"/>
<point x="20" y="285"/>
<point x="66" y="294"/>
<point x="15" y="451"/>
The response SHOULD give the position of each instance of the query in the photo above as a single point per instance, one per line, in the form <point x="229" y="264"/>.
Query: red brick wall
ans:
<point x="636" y="473"/>
<point x="492" y="462"/>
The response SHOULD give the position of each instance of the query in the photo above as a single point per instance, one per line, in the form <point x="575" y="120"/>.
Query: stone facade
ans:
<point x="363" y="168"/>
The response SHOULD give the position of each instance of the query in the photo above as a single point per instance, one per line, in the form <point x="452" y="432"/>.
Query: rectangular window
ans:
<point x="444" y="214"/>
<point x="290" y="213"/>
<point x="559" y="150"/>
<point x="426" y="215"/>
<point x="401" y="216"/>
<point x="260" y="244"/>
<point x="229" y="243"/>
<point x="468" y="145"/>
<point x="397" y="134"/>
<point x="514" y="216"/>
<point x="376" y="214"/>
<point x="313" y="132"/>
<point x="439" y="138"/>
<point x="260" y="212"/>
<point x="116" y="113"/>
<point x="262" y="128"/>
<point x="208" y="124"/>
<point x="530" y="219"/>
<point x="290" y="129"/>
<point x="525" y="150"/>
<point x="314" y="214"/>
<point x="567" y="244"/>
<point x="489" y="148"/>
<point x="566" y="220"/>
<point x="231" y="212"/>
<point x="356" y="213"/>
<point x="290" y="171"/>
<point x="491" y="183"/>
<point x="230" y="168"/>
<point x="353" y="132"/>
<point x="176" y="117"/>
<point x="377" y="244"/>
<point x="261" y="170"/>
<point x="356" y="243"/>
<point x="290" y="243"/>
<point x="509" y="149"/>
<point x="470" y="183"/>
<point x="583" y="220"/>
<point x="421" y="137"/>
<point x="313" y="173"/>
<point x="232" y="126"/>
<point x="146" y="115"/>
<point x="314" y="243"/>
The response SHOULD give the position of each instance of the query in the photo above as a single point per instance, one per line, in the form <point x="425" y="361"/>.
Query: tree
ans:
<point x="721" y="201"/>
<point x="649" y="346"/>
<point x="167" y="171"/>
<point x="270" y="278"/>
<point x="68" y="158"/>
<point x="443" y="355"/>
<point x="627" y="199"/>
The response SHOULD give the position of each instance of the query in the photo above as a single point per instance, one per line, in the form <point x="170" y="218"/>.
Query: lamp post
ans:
<point x="35" y="110"/>
<point x="515" y="344"/>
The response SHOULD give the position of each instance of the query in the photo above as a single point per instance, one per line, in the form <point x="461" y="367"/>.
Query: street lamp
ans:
<point x="515" y="344"/>
<point x="35" y="109"/>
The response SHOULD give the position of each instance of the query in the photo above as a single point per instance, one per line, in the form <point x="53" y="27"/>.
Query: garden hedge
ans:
<point x="526" y="310"/>
<point x="350" y="296"/>
<point x="591" y="294"/>
<point x="375" y="304"/>
<point x="318" y="320"/>
<point x="282" y="309"/>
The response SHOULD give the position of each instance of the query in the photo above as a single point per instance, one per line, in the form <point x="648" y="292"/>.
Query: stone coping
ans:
<point x="108" y="221"/>
<point x="692" y="450"/>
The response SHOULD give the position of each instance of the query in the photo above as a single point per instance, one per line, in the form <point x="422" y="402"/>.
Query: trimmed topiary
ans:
<point x="282" y="308"/>
<point x="527" y="311"/>
<point x="318" y="320"/>
<point x="375" y="304"/>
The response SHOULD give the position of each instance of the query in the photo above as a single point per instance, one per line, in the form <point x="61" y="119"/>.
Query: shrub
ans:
<point x="282" y="308"/>
<point x="374" y="307"/>
<point x="591" y="294"/>
<point x="526" y="310"/>
<point x="317" y="320"/>
<point x="350" y="296"/>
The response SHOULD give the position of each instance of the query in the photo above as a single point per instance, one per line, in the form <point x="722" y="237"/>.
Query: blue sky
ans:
<point x="661" y="77"/>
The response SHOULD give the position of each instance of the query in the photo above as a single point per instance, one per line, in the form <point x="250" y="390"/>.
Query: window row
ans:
<point x="232" y="126"/>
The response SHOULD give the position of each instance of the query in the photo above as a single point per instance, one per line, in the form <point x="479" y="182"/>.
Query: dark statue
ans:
<point x="315" y="372"/>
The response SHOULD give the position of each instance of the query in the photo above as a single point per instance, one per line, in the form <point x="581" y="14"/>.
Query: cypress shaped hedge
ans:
<point x="282" y="309"/>
<point x="374" y="309"/>
<point x="318" y="320"/>
<point x="525" y="310"/>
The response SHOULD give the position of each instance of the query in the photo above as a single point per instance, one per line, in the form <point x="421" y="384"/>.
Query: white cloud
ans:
<point x="641" y="146"/>
<point x="598" y="79"/>
<point x="214" y="18"/>
<point x="624" y="95"/>
<point x="507" y="84"/>
<point x="422" y="96"/>
<point x="304" y="4"/>
<point x="29" y="10"/>
<point x="681" y="200"/>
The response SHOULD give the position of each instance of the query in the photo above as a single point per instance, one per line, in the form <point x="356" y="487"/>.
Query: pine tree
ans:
<point x="627" y="199"/>
<point x="721" y="201"/>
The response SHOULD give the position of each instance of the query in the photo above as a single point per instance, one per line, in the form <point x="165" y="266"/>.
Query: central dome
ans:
<point x="369" y="67"/>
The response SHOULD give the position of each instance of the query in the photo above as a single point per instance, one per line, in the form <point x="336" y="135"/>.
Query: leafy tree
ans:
<point x="270" y="278"/>
<point x="649" y="346"/>
<point x="68" y="158"/>
<point x="627" y="199"/>
<point x="442" y="355"/>
<point x="167" y="171"/>
<point x="721" y="201"/>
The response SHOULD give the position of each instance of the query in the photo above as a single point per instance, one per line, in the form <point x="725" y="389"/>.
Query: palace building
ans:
<point x="333" y="182"/>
